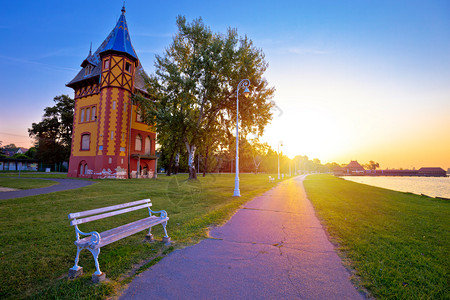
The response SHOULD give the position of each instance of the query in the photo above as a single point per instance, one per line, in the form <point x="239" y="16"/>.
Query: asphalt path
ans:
<point x="273" y="247"/>
<point x="63" y="185"/>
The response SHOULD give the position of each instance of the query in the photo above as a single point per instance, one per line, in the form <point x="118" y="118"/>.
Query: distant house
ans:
<point x="353" y="168"/>
<point x="431" y="172"/>
<point x="338" y="171"/>
<point x="21" y="150"/>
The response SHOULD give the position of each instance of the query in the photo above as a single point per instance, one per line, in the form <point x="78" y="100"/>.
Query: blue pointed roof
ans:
<point x="119" y="38"/>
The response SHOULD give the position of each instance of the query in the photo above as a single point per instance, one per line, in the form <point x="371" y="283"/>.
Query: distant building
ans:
<point x="354" y="168"/>
<point x="18" y="164"/>
<point x="109" y="138"/>
<point x="338" y="171"/>
<point x="432" y="172"/>
<point x="21" y="150"/>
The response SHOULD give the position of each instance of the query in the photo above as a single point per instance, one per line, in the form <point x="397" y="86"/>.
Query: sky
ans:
<point x="355" y="80"/>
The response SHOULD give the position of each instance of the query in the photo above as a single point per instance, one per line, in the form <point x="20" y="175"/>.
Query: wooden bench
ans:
<point x="271" y="179"/>
<point x="94" y="240"/>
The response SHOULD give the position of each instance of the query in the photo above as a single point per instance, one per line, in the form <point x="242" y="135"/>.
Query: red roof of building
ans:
<point x="354" y="165"/>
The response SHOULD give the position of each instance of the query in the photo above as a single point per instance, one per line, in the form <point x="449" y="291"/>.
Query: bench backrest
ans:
<point x="104" y="212"/>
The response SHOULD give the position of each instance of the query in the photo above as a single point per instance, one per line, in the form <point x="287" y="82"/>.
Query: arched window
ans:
<point x="85" y="141"/>
<point x="148" y="145"/>
<point x="83" y="168"/>
<point x="138" y="144"/>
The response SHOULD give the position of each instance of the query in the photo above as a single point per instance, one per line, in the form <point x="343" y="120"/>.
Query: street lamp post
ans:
<point x="280" y="143"/>
<point x="244" y="83"/>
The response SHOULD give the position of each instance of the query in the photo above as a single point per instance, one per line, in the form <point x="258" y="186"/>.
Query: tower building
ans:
<point x="109" y="140"/>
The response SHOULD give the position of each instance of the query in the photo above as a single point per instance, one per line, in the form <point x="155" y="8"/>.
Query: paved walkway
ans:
<point x="274" y="247"/>
<point x="64" y="184"/>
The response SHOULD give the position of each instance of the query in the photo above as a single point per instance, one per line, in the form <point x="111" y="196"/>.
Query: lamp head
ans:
<point x="246" y="92"/>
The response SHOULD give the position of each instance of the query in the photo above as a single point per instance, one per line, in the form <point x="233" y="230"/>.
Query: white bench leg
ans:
<point x="149" y="236"/>
<point x="95" y="253"/>
<point x="77" y="258"/>
<point x="166" y="238"/>
<point x="164" y="226"/>
<point x="76" y="270"/>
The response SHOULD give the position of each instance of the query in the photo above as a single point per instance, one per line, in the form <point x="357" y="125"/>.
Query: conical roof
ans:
<point x="119" y="38"/>
<point x="354" y="165"/>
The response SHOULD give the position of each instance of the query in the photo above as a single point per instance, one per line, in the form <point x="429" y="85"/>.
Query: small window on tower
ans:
<point x="82" y="116"/>
<point x="87" y="114"/>
<point x="85" y="141"/>
<point x="106" y="66"/>
<point x="93" y="113"/>
<point x="128" y="67"/>
<point x="88" y="70"/>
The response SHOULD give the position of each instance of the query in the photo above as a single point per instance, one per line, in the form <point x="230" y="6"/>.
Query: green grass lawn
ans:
<point x="33" y="175"/>
<point x="397" y="243"/>
<point x="37" y="243"/>
<point x="25" y="183"/>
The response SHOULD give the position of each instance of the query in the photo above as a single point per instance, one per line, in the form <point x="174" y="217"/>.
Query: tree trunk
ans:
<point x="191" y="163"/>
<point x="205" y="164"/>
<point x="177" y="163"/>
<point x="169" y="167"/>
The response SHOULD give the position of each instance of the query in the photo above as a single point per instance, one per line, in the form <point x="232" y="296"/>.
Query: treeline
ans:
<point x="254" y="157"/>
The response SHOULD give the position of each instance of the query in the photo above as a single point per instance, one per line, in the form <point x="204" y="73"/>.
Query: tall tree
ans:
<point x="53" y="134"/>
<point x="371" y="165"/>
<point x="194" y="88"/>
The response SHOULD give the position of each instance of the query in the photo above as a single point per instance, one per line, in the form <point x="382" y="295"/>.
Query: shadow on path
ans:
<point x="63" y="185"/>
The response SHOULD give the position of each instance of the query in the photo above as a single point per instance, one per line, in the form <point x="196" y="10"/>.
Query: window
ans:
<point x="93" y="113"/>
<point x="106" y="65"/>
<point x="123" y="136"/>
<point x="112" y="134"/>
<point x="114" y="104"/>
<point x="138" y="144"/>
<point x="85" y="141"/>
<point x="128" y="67"/>
<point x="87" y="114"/>
<point x="148" y="144"/>
<point x="88" y="70"/>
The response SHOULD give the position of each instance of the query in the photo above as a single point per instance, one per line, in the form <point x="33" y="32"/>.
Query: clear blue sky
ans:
<point x="354" y="79"/>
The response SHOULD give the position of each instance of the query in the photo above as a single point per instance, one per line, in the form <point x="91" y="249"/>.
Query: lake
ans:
<point x="430" y="186"/>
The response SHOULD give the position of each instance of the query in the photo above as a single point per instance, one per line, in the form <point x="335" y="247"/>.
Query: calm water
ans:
<point x="430" y="186"/>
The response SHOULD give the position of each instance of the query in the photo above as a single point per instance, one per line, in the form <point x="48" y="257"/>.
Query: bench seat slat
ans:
<point x="112" y="235"/>
<point x="105" y="209"/>
<point x="108" y="214"/>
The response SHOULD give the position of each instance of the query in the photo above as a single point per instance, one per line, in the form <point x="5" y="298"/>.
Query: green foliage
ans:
<point x="194" y="88"/>
<point x="53" y="134"/>
<point x="20" y="156"/>
<point x="31" y="153"/>
<point x="398" y="243"/>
